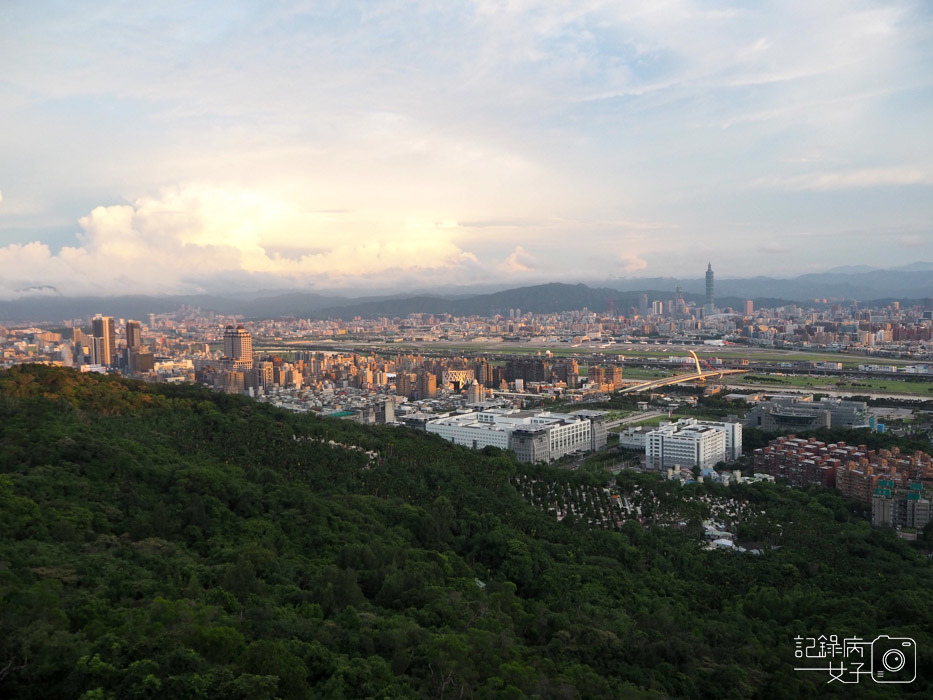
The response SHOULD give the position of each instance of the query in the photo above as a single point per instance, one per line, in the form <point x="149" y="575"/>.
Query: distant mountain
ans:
<point x="56" y="308"/>
<point x="913" y="281"/>
<point x="850" y="269"/>
<point x="916" y="267"/>
<point x="542" y="298"/>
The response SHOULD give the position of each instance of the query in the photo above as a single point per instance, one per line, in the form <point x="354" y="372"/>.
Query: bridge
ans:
<point x="701" y="375"/>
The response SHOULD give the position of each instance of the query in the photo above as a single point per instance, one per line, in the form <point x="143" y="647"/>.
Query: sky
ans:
<point x="179" y="147"/>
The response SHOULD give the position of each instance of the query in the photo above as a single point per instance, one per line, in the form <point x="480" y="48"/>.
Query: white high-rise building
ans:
<point x="691" y="443"/>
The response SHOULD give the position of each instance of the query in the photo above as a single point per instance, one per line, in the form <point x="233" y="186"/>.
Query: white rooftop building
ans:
<point x="533" y="435"/>
<point x="692" y="443"/>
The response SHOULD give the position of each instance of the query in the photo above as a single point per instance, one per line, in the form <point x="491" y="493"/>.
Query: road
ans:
<point x="633" y="419"/>
<point x="772" y="389"/>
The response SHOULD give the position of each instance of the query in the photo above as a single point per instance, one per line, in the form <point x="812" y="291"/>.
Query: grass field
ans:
<point x="855" y="386"/>
<point x="641" y="351"/>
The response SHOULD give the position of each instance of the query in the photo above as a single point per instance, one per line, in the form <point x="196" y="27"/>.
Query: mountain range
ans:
<point x="909" y="284"/>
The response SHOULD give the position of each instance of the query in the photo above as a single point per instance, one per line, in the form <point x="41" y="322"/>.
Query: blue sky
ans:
<point x="174" y="146"/>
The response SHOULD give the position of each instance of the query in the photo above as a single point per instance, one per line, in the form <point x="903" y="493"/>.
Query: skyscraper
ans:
<point x="238" y="348"/>
<point x="643" y="305"/>
<point x="710" y="297"/>
<point x="427" y="385"/>
<point x="134" y="334"/>
<point x="104" y="341"/>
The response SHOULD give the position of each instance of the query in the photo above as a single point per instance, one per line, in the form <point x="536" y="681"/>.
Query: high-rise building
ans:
<point x="482" y="371"/>
<point x="597" y="375"/>
<point x="710" y="296"/>
<point x="643" y="305"/>
<point x="691" y="443"/>
<point x="613" y="376"/>
<point x="238" y="348"/>
<point x="427" y="385"/>
<point x="134" y="334"/>
<point x="749" y="307"/>
<point x="475" y="393"/>
<point x="404" y="384"/>
<point x="104" y="341"/>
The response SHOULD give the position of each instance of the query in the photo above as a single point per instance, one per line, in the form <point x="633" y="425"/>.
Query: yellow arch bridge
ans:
<point x="701" y="375"/>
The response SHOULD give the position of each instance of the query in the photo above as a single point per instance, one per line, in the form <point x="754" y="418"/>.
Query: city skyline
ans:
<point x="179" y="149"/>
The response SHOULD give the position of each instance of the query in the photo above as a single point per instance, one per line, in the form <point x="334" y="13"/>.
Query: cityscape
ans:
<point x="478" y="350"/>
<point x="527" y="382"/>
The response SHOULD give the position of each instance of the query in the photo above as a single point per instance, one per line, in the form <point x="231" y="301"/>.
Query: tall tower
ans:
<point x="104" y="340"/>
<point x="238" y="348"/>
<point x="710" y="297"/>
<point x="134" y="336"/>
<point x="642" y="305"/>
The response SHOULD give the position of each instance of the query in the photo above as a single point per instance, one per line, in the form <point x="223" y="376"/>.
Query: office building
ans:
<point x="426" y="384"/>
<point x="692" y="443"/>
<point x="482" y="371"/>
<point x="238" y="348"/>
<point x="103" y="347"/>
<point x="534" y="436"/>
<point x="599" y="434"/>
<point x="134" y="335"/>
<point x="404" y="384"/>
<point x="475" y="393"/>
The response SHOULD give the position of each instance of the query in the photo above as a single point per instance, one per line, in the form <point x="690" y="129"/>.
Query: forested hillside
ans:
<point x="168" y="542"/>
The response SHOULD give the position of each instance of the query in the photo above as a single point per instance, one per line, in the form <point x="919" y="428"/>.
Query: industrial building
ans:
<point x="790" y="413"/>
<point x="534" y="436"/>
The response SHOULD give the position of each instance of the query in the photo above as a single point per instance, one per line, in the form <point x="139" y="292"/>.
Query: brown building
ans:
<point x="854" y="470"/>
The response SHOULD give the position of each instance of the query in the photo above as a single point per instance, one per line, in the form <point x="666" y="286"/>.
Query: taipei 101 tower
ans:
<point x="710" y="298"/>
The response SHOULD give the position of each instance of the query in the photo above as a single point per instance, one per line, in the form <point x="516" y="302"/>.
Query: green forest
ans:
<point x="170" y="542"/>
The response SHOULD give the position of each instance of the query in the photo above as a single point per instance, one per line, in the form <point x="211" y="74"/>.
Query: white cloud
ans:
<point x="160" y="244"/>
<point x="519" y="261"/>
<point x="773" y="248"/>
<point x="851" y="179"/>
<point x="632" y="263"/>
<point x="911" y="241"/>
<point x="533" y="120"/>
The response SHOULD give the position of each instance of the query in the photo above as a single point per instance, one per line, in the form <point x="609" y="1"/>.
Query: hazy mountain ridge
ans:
<point x="911" y="282"/>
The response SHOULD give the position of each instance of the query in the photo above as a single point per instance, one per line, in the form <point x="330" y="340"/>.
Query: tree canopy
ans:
<point x="167" y="541"/>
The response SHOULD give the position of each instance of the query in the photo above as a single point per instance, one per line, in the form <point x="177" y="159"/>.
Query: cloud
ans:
<point x="519" y="261"/>
<point x="524" y="120"/>
<point x="773" y="248"/>
<point x="851" y="179"/>
<point x="911" y="241"/>
<point x="632" y="263"/>
<point x="159" y="244"/>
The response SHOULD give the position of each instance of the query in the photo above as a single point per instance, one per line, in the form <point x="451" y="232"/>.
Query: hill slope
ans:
<point x="169" y="542"/>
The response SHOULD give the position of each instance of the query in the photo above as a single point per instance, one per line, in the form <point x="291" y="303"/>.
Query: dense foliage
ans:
<point x="169" y="542"/>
